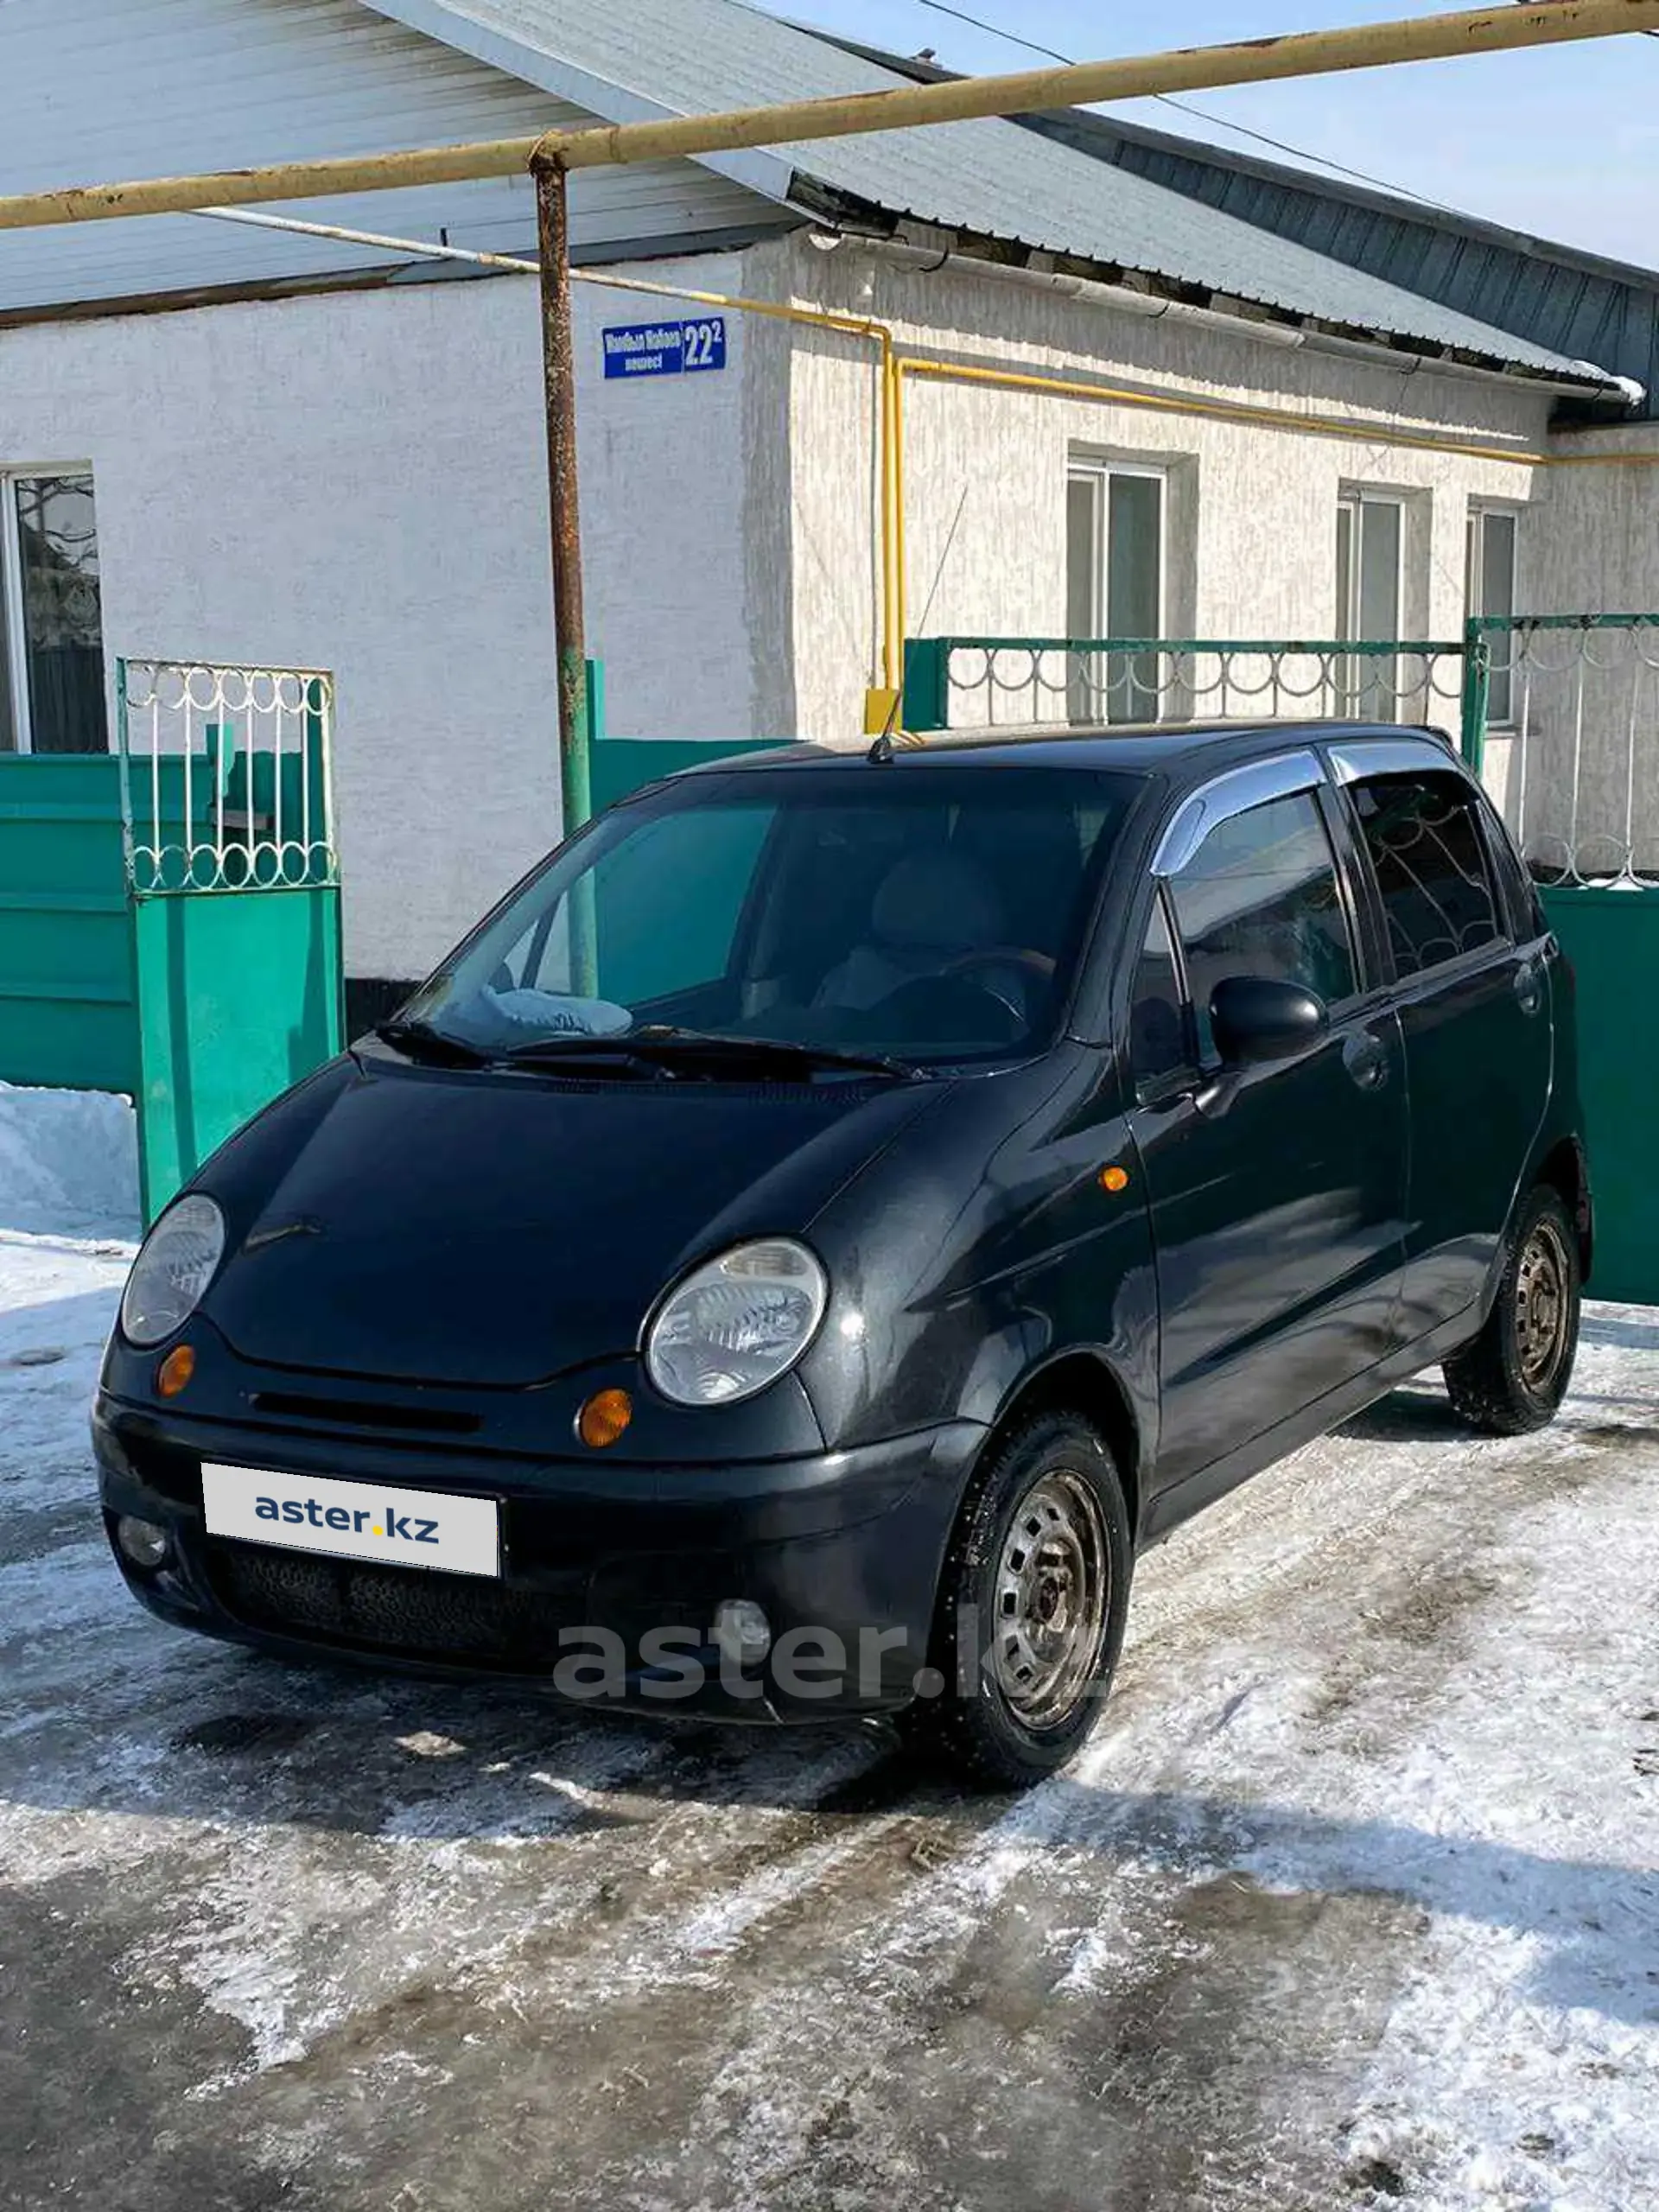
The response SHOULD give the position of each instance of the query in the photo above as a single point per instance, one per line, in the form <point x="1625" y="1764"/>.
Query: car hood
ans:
<point x="476" y="1228"/>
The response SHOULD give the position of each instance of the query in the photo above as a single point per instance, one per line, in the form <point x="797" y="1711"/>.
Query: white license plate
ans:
<point x="353" y="1520"/>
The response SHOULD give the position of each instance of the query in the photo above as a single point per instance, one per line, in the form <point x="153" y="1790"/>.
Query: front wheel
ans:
<point x="1032" y="1606"/>
<point x="1512" y="1378"/>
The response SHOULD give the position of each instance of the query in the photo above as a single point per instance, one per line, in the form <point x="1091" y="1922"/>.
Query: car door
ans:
<point x="1474" y="996"/>
<point x="1277" y="1191"/>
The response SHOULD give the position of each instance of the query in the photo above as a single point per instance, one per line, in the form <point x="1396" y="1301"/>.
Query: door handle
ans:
<point x="1366" y="1059"/>
<point x="1529" y="986"/>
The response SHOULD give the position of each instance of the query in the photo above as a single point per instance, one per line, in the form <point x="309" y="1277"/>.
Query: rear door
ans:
<point x="1277" y="1191"/>
<point x="1471" y="987"/>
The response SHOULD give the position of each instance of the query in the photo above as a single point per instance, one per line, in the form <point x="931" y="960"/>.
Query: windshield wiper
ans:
<point x="673" y="1051"/>
<point x="718" y="1045"/>
<point x="790" y="1048"/>
<point x="419" y="1041"/>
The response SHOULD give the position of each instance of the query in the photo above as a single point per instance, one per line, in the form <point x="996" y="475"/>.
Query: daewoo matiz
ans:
<point x="837" y="1209"/>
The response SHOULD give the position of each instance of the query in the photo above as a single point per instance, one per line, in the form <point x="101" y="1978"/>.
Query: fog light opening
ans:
<point x="144" y="1544"/>
<point x="742" y="1631"/>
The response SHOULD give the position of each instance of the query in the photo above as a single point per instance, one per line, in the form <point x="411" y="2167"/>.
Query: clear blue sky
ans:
<point x="1563" y="142"/>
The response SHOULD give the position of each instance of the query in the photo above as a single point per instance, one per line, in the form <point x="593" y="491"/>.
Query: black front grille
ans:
<point x="409" y="1611"/>
<point x="357" y="1413"/>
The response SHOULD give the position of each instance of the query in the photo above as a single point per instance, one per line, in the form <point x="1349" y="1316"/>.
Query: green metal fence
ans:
<point x="1566" y="735"/>
<point x="620" y="765"/>
<point x="980" y="683"/>
<point x="169" y="911"/>
<point x="233" y="890"/>
<point x="67" y="993"/>
<point x="1566" y="731"/>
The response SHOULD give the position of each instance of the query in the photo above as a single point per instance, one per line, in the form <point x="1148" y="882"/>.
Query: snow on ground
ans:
<point x="68" y="1162"/>
<point x="1349" y="1900"/>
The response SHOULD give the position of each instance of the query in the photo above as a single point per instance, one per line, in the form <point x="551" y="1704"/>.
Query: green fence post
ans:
<point x="575" y="790"/>
<point x="927" y="702"/>
<point x="1477" y="692"/>
<point x="576" y="808"/>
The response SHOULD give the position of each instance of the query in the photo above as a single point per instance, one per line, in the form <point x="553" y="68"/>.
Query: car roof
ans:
<point x="1184" y="752"/>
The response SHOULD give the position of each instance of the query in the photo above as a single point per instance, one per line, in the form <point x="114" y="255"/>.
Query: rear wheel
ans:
<point x="1032" y="1605"/>
<point x="1512" y="1378"/>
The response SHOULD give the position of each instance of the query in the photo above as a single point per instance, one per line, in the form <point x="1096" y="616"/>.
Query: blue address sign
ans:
<point x="665" y="349"/>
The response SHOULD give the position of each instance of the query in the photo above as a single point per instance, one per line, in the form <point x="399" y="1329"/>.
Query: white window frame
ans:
<point x="1352" y="500"/>
<point x="13" y="664"/>
<point x="1085" y="702"/>
<point x="1501" y="697"/>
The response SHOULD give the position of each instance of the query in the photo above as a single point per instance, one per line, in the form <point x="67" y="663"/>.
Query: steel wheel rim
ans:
<point x="1053" y="1586"/>
<point x="1542" y="1305"/>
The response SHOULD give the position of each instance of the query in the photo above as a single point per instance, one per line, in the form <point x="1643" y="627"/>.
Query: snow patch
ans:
<point x="68" y="1162"/>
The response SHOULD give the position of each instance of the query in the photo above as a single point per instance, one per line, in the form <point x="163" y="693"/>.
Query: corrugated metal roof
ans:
<point x="1573" y="302"/>
<point x="992" y="178"/>
<point x="129" y="88"/>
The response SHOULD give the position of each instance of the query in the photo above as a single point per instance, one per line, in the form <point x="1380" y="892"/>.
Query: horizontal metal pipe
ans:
<point x="1275" y="418"/>
<point x="1309" y="54"/>
<point x="420" y="249"/>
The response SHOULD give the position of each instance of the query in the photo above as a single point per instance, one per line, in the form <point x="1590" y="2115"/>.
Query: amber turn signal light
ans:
<point x="175" y="1370"/>
<point x="604" y="1417"/>
<point x="1114" y="1178"/>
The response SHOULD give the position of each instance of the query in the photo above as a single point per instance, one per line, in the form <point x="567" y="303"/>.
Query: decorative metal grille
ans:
<point x="1067" y="681"/>
<point x="1576" y="768"/>
<point x="226" y="780"/>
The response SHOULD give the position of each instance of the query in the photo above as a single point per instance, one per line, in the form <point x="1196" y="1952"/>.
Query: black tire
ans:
<point x="990" y="1719"/>
<point x="1511" y="1379"/>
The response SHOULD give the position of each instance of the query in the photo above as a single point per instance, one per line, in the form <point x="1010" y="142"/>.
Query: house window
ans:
<point x="1371" y="546"/>
<point x="1490" y="590"/>
<point x="1115" y="532"/>
<point x="52" y="695"/>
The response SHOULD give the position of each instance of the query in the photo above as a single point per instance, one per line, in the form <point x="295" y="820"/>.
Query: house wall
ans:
<point x="1597" y="551"/>
<point x="358" y="481"/>
<point x="1583" y="700"/>
<point x="1252" y="510"/>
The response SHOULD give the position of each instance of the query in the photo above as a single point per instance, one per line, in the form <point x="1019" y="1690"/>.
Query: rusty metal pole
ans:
<point x="565" y="507"/>
<point x="564" y="522"/>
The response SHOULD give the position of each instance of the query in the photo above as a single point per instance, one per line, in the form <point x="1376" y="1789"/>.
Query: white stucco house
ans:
<point x="222" y="440"/>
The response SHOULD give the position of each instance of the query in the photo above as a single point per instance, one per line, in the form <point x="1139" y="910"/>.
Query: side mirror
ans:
<point x="1254" y="1018"/>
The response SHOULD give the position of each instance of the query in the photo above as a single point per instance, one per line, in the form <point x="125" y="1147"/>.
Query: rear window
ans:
<point x="1423" y="836"/>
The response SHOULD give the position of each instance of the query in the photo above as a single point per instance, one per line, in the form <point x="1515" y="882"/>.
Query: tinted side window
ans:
<point x="1422" y="833"/>
<point x="1160" y="1045"/>
<point x="1260" y="897"/>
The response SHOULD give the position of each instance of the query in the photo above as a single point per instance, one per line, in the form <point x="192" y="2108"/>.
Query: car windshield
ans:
<point x="919" y="913"/>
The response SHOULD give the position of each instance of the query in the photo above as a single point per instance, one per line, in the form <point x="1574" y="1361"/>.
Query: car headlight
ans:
<point x="174" y="1267"/>
<point x="737" y="1324"/>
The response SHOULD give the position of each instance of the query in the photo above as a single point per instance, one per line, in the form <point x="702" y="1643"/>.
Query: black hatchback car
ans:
<point x="837" y="1209"/>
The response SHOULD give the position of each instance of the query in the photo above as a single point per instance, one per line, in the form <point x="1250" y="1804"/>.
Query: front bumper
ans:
<point x="612" y="1575"/>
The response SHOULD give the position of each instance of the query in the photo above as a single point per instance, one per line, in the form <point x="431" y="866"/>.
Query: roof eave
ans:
<point x="824" y="204"/>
